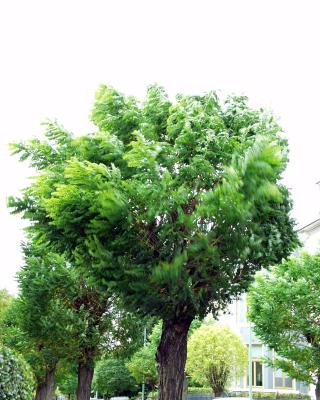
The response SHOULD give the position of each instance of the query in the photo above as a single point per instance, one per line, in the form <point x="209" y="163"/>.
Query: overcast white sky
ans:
<point x="55" y="53"/>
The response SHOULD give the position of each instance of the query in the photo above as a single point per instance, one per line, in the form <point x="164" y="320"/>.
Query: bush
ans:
<point x="199" y="390"/>
<point x="16" y="380"/>
<point x="272" y="395"/>
<point x="255" y="395"/>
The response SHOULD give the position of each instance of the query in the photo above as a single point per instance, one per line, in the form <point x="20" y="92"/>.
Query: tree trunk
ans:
<point x="85" y="375"/>
<point x="171" y="357"/>
<point x="45" y="390"/>
<point x="218" y="392"/>
<point x="317" y="389"/>
<point x="185" y="388"/>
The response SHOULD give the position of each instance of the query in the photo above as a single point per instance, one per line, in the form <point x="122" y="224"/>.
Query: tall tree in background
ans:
<point x="285" y="308"/>
<point x="173" y="206"/>
<point x="112" y="378"/>
<point x="37" y="324"/>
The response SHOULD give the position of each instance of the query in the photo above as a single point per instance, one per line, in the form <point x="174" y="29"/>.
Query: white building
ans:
<point x="265" y="378"/>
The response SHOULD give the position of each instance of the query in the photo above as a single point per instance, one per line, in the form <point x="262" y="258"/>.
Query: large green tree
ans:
<point x="216" y="355"/>
<point x="284" y="306"/>
<point x="173" y="206"/>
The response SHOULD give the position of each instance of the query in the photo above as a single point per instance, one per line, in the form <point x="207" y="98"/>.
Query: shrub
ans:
<point x="272" y="395"/>
<point x="16" y="380"/>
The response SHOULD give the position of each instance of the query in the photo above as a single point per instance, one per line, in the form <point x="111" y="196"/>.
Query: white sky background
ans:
<point x="54" y="54"/>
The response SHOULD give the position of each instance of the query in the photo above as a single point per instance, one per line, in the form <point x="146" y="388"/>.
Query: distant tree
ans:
<point x="67" y="380"/>
<point x="5" y="301"/>
<point x="172" y="206"/>
<point x="16" y="380"/>
<point x="284" y="306"/>
<point x="37" y="324"/>
<point x="112" y="378"/>
<point x="143" y="365"/>
<point x="216" y="355"/>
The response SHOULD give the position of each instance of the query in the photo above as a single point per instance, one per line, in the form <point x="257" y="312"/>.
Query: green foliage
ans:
<point x="67" y="379"/>
<point x="143" y="365"/>
<point x="285" y="307"/>
<point x="39" y="324"/>
<point x="16" y="381"/>
<point x="112" y="378"/>
<point x="172" y="206"/>
<point x="5" y="301"/>
<point x="215" y="356"/>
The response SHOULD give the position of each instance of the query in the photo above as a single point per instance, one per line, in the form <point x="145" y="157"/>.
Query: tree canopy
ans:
<point x="161" y="189"/>
<point x="284" y="306"/>
<point x="171" y="205"/>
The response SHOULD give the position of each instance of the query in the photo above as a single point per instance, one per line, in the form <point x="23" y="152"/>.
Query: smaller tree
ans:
<point x="113" y="378"/>
<point x="142" y="365"/>
<point x="284" y="306"/>
<point x="5" y="301"/>
<point x="215" y="356"/>
<point x="67" y="380"/>
<point x="16" y="381"/>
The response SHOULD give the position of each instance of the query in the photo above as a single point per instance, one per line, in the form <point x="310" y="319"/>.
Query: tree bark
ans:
<point x="85" y="375"/>
<point x="45" y="389"/>
<point x="317" y="389"/>
<point x="171" y="357"/>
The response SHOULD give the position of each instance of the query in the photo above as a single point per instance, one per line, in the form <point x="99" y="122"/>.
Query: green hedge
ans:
<point x="272" y="395"/>
<point x="196" y="390"/>
<point x="255" y="395"/>
<point x="16" y="380"/>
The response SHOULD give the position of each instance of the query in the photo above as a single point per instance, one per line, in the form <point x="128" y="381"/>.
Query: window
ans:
<point x="257" y="373"/>
<point x="282" y="380"/>
<point x="257" y="367"/>
<point x="257" y="378"/>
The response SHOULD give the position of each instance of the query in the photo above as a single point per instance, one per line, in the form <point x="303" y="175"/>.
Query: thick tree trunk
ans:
<point x="171" y="357"/>
<point x="85" y="375"/>
<point x="317" y="389"/>
<point x="45" y="390"/>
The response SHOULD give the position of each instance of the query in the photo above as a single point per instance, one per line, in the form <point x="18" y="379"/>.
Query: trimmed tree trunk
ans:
<point x="85" y="375"/>
<point x="317" y="389"/>
<point x="45" y="390"/>
<point x="218" y="392"/>
<point x="218" y="377"/>
<point x="171" y="357"/>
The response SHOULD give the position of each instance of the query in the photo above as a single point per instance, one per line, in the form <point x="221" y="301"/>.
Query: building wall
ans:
<point x="236" y="319"/>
